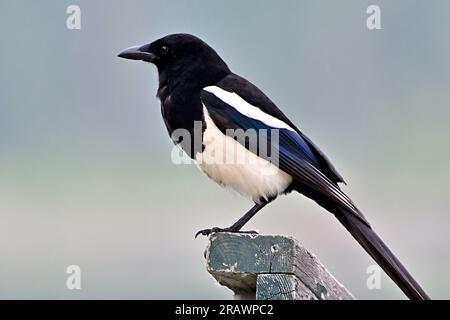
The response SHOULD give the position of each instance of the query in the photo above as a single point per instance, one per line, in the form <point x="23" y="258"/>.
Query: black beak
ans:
<point x="138" y="53"/>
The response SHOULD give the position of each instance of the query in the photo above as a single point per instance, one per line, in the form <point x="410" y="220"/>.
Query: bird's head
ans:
<point x="181" y="57"/>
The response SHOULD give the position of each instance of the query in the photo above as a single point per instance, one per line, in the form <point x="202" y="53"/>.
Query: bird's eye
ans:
<point x="164" y="49"/>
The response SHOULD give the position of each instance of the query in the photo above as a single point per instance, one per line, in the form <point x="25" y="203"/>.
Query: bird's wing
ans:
<point x="253" y="95"/>
<point x="293" y="154"/>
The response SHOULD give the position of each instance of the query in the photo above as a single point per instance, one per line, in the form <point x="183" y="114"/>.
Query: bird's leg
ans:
<point x="237" y="226"/>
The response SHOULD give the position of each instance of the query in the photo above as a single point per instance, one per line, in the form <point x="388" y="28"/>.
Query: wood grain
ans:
<point x="270" y="267"/>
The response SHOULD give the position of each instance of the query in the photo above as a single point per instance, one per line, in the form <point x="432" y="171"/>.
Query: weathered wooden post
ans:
<point x="269" y="267"/>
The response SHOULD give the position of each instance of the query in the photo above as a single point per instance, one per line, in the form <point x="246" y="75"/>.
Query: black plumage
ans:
<point x="194" y="83"/>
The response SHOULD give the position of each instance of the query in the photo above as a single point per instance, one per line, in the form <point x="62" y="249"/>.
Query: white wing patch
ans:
<point x="246" y="108"/>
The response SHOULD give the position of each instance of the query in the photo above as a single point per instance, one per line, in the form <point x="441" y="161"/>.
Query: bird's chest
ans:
<point x="184" y="122"/>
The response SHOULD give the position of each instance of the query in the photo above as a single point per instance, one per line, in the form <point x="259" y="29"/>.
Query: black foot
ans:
<point x="207" y="232"/>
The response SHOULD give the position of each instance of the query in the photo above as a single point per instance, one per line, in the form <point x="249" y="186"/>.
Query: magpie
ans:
<point x="200" y="95"/>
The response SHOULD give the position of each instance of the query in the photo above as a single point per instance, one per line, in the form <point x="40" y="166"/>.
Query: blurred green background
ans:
<point x="85" y="170"/>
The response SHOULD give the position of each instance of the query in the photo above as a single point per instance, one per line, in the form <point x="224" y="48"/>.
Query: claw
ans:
<point x="207" y="232"/>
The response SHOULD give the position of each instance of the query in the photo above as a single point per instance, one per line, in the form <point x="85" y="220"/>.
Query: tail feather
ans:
<point x="378" y="250"/>
<point x="370" y="241"/>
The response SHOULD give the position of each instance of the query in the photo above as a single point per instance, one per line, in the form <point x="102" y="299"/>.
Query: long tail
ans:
<point x="378" y="250"/>
<point x="372" y="243"/>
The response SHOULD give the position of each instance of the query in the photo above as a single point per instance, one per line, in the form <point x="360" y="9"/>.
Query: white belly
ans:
<point x="230" y="164"/>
